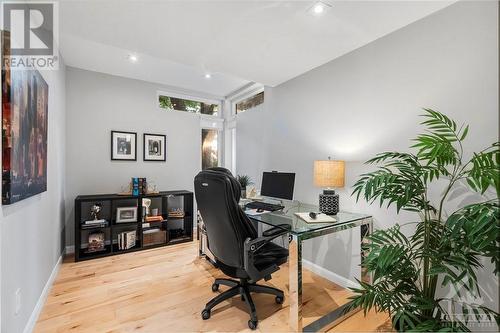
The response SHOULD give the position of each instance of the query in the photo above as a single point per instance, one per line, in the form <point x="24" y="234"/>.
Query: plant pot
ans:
<point x="243" y="192"/>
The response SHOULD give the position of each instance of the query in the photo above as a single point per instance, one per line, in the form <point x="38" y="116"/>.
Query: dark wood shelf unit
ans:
<point x="163" y="201"/>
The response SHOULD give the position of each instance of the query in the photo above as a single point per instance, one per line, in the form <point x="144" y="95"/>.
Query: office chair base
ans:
<point x="242" y="288"/>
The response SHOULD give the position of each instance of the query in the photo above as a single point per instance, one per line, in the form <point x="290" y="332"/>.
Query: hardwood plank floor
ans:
<point x="165" y="289"/>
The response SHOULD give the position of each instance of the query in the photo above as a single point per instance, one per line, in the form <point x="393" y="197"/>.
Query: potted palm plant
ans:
<point x="244" y="181"/>
<point x="427" y="281"/>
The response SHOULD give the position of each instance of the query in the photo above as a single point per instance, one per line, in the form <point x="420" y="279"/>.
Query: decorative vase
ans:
<point x="329" y="202"/>
<point x="243" y="192"/>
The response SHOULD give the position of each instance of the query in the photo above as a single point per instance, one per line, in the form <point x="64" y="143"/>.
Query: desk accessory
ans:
<point x="320" y="218"/>
<point x="329" y="174"/>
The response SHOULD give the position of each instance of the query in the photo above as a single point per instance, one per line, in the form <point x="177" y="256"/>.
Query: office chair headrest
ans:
<point x="221" y="169"/>
<point x="234" y="183"/>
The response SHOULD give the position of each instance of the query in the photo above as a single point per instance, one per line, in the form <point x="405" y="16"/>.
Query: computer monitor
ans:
<point x="278" y="185"/>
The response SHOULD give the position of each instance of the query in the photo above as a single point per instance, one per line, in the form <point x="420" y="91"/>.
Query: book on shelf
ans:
<point x="94" y="221"/>
<point x="126" y="240"/>
<point x="93" y="226"/>
<point x="157" y="218"/>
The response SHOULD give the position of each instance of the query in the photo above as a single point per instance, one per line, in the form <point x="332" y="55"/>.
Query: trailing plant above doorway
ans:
<point x="426" y="281"/>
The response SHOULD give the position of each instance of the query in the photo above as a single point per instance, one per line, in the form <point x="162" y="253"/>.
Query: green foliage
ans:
<point x="406" y="270"/>
<point x="180" y="104"/>
<point x="244" y="180"/>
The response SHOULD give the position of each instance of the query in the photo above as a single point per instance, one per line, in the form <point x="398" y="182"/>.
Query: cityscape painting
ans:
<point x="24" y="131"/>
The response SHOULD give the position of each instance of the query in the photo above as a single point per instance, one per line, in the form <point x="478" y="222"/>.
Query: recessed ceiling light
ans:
<point x="319" y="7"/>
<point x="208" y="76"/>
<point x="132" y="58"/>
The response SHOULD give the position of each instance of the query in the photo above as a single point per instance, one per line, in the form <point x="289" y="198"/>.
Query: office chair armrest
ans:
<point x="251" y="246"/>
<point x="276" y="230"/>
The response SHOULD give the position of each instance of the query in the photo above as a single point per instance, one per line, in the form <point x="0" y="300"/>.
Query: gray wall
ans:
<point x="98" y="103"/>
<point x="368" y="101"/>
<point x="31" y="229"/>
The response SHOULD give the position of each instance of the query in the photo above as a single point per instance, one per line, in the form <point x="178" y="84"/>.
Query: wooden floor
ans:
<point x="165" y="289"/>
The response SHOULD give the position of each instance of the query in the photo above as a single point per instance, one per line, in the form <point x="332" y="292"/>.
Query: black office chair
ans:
<point x="233" y="240"/>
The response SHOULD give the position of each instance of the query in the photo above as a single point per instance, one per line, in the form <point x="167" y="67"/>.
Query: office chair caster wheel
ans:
<point x="215" y="287"/>
<point x="279" y="299"/>
<point x="252" y="324"/>
<point x="205" y="314"/>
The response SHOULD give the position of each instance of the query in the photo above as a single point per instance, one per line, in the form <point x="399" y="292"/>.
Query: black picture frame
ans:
<point x="115" y="156"/>
<point x="163" y="147"/>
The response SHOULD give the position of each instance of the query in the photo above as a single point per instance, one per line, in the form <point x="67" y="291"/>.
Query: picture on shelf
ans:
<point x="25" y="98"/>
<point x="155" y="147"/>
<point x="96" y="242"/>
<point x="126" y="214"/>
<point x="123" y="146"/>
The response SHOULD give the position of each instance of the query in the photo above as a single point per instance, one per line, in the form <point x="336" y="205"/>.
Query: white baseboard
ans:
<point x="69" y="249"/>
<point x="43" y="297"/>
<point x="329" y="275"/>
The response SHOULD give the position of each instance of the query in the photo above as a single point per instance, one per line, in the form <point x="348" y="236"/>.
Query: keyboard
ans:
<point x="264" y="206"/>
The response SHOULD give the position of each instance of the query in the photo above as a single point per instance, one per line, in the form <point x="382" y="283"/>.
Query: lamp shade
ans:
<point x="329" y="173"/>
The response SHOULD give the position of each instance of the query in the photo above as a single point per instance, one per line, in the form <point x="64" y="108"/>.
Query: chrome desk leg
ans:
<point x="295" y="269"/>
<point x="366" y="230"/>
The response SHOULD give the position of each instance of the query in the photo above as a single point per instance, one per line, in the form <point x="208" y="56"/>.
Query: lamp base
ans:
<point x="329" y="202"/>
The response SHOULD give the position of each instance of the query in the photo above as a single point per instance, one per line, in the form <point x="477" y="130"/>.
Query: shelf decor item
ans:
<point x="176" y="213"/>
<point x="329" y="174"/>
<point x="123" y="146"/>
<point x="25" y="100"/>
<point x="155" y="147"/>
<point x="126" y="214"/>
<point x="425" y="271"/>
<point x="96" y="242"/>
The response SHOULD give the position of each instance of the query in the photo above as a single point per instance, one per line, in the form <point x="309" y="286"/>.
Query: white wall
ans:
<point x="98" y="103"/>
<point x="368" y="101"/>
<point x="31" y="229"/>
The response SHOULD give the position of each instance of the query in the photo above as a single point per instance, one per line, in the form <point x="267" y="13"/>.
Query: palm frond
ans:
<point x="485" y="171"/>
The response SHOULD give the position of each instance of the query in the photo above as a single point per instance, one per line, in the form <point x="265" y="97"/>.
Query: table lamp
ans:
<point x="329" y="174"/>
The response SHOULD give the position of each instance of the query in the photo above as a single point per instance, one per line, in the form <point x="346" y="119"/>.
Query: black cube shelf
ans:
<point x="168" y="230"/>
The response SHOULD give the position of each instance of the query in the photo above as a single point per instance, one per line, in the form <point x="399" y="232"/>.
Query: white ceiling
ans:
<point x="237" y="41"/>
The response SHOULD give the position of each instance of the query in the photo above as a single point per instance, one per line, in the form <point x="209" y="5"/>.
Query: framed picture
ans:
<point x="25" y="100"/>
<point x="155" y="147"/>
<point x="123" y="146"/>
<point x="126" y="214"/>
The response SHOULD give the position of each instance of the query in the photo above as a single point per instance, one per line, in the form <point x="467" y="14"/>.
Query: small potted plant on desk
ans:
<point x="244" y="181"/>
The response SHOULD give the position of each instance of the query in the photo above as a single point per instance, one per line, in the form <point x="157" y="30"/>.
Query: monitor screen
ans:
<point x="278" y="185"/>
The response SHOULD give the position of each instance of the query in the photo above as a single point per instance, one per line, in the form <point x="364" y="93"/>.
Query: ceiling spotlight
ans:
<point x="208" y="76"/>
<point x="132" y="58"/>
<point x="319" y="7"/>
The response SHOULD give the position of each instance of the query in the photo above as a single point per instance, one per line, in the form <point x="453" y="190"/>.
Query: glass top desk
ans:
<point x="300" y="231"/>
